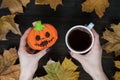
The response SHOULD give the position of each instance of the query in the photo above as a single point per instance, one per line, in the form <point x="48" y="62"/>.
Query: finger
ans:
<point x="76" y="56"/>
<point x="23" y="38"/>
<point x="96" y="40"/>
<point x="42" y="53"/>
<point x="96" y="36"/>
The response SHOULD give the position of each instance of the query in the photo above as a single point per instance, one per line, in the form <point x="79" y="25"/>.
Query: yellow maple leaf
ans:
<point x="98" y="5"/>
<point x="7" y="23"/>
<point x="117" y="75"/>
<point x="113" y="38"/>
<point x="69" y="65"/>
<point x="53" y="3"/>
<point x="57" y="71"/>
<point x="9" y="71"/>
<point x="117" y="64"/>
<point x="14" y="6"/>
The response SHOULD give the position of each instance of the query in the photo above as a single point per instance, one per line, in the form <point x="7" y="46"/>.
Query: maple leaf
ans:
<point x="117" y="75"/>
<point x="113" y="38"/>
<point x="117" y="64"/>
<point x="9" y="71"/>
<point x="69" y="67"/>
<point x="25" y="2"/>
<point x="10" y="57"/>
<point x="11" y="74"/>
<point x="7" y="23"/>
<point x="68" y="63"/>
<point x="98" y="5"/>
<point x="1" y="64"/>
<point x="53" y="3"/>
<point x="57" y="71"/>
<point x="14" y="6"/>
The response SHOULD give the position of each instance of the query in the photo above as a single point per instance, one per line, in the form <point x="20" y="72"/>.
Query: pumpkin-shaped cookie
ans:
<point x="42" y="36"/>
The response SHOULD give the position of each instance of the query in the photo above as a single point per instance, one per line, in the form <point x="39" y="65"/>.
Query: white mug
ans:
<point x="85" y="30"/>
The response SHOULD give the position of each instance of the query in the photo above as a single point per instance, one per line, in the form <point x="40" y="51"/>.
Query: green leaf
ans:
<point x="57" y="71"/>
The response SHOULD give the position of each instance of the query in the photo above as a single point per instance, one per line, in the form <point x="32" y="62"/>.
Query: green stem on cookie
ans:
<point x="38" y="26"/>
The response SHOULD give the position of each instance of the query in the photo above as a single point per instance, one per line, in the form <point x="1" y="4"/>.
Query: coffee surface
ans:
<point x="79" y="40"/>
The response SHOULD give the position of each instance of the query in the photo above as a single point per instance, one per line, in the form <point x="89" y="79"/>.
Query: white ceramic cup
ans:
<point x="86" y="29"/>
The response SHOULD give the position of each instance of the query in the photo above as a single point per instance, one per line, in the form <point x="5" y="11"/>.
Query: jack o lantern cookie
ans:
<point x="42" y="36"/>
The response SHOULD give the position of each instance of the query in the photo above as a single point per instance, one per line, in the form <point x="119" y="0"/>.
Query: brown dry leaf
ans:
<point x="117" y="64"/>
<point x="7" y="23"/>
<point x="1" y="63"/>
<point x="98" y="5"/>
<point x="53" y="3"/>
<point x="25" y="2"/>
<point x="113" y="38"/>
<point x="10" y="57"/>
<point x="12" y="76"/>
<point x="57" y="71"/>
<point x="14" y="6"/>
<point x="9" y="71"/>
<point x="117" y="76"/>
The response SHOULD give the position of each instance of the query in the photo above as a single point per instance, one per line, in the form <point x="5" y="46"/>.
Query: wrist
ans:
<point x="99" y="75"/>
<point x="25" y="75"/>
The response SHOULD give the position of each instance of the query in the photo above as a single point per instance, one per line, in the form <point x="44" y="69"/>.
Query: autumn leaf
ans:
<point x="1" y="64"/>
<point x="10" y="57"/>
<point x="69" y="67"/>
<point x="7" y="24"/>
<point x="58" y="71"/>
<point x="117" y="75"/>
<point x="113" y="38"/>
<point x="98" y="5"/>
<point x="53" y="3"/>
<point x="8" y="69"/>
<point x="50" y="61"/>
<point x="25" y="2"/>
<point x="14" y="6"/>
<point x="68" y="63"/>
<point x="117" y="64"/>
<point x="12" y="76"/>
<point x="11" y="69"/>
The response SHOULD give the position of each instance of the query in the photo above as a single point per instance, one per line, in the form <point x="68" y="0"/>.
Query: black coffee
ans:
<point x="79" y="40"/>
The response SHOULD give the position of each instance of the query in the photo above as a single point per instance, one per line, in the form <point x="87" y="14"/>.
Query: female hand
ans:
<point x="28" y="60"/>
<point x="91" y="61"/>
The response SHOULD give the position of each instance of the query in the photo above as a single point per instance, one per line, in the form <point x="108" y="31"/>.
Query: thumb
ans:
<point x="78" y="57"/>
<point x="41" y="53"/>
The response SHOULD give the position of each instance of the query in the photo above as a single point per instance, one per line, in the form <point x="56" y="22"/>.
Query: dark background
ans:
<point x="64" y="17"/>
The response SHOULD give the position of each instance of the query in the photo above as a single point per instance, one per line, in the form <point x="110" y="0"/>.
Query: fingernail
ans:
<point x="47" y="50"/>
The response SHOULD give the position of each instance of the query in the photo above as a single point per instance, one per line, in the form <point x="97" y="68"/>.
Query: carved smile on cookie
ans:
<point x="44" y="43"/>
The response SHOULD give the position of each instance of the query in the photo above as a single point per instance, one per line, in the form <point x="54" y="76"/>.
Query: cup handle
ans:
<point x="90" y="26"/>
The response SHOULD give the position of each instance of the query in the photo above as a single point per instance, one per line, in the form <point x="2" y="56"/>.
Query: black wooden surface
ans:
<point x="65" y="16"/>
